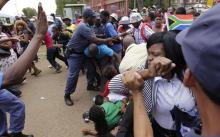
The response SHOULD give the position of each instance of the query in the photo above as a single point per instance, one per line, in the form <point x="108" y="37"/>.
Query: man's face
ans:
<point x="91" y="20"/>
<point x="136" y="24"/>
<point x="67" y="22"/>
<point x="103" y="18"/>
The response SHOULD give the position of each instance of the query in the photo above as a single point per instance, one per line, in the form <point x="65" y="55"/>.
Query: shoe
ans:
<point x="50" y="66"/>
<point x="93" y="88"/>
<point x="20" y="134"/>
<point x="5" y="135"/>
<point x="36" y="73"/>
<point x="68" y="100"/>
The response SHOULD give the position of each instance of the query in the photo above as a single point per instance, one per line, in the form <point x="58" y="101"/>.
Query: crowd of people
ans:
<point x="153" y="82"/>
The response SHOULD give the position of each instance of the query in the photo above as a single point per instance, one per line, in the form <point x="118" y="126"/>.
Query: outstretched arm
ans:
<point x="2" y="3"/>
<point x="15" y="73"/>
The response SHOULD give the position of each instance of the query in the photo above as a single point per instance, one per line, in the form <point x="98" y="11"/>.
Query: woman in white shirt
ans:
<point x="166" y="98"/>
<point x="172" y="98"/>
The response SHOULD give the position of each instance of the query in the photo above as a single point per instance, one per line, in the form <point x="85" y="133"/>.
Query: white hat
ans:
<point x="124" y="20"/>
<point x="50" y="19"/>
<point x="134" y="10"/>
<point x="115" y="16"/>
<point x="135" y="17"/>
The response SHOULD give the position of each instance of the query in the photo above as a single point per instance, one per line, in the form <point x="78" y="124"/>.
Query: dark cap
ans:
<point x="89" y="13"/>
<point x="201" y="48"/>
<point x="66" y="18"/>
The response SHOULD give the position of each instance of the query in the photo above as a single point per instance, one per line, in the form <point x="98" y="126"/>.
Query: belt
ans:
<point x="73" y="51"/>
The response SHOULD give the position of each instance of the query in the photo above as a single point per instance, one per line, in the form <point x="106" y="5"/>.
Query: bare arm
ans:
<point x="2" y="3"/>
<point x="102" y="41"/>
<point x="15" y="73"/>
<point x="142" y="125"/>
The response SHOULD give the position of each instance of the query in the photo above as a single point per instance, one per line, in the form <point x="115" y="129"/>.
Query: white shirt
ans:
<point x="168" y="95"/>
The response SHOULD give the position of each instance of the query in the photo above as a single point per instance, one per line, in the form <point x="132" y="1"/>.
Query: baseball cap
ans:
<point x="89" y="13"/>
<point x="135" y="17"/>
<point x="201" y="48"/>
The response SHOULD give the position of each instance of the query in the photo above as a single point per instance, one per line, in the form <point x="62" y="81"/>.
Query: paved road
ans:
<point x="46" y="114"/>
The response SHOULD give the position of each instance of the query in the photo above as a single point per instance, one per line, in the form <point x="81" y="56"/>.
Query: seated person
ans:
<point x="105" y="115"/>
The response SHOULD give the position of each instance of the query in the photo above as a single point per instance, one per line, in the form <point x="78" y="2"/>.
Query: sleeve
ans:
<point x="116" y="85"/>
<point x="86" y="32"/>
<point x="111" y="30"/>
<point x="1" y="79"/>
<point x="86" y="52"/>
<point x="148" y="31"/>
<point x="106" y="50"/>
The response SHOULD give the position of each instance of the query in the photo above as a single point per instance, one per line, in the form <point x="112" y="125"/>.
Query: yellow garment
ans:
<point x="135" y="57"/>
<point x="72" y="28"/>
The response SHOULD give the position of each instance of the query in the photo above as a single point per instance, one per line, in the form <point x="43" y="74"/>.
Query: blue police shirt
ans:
<point x="82" y="37"/>
<point x="1" y="79"/>
<point x="103" y="50"/>
<point x="110" y="32"/>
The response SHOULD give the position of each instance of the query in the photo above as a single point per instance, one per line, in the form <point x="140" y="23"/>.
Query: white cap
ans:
<point x="50" y="19"/>
<point x="135" y="17"/>
<point x="115" y="16"/>
<point x="134" y="10"/>
<point x="124" y="20"/>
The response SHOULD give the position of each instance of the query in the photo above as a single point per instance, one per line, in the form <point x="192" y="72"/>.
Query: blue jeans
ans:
<point x="15" y="107"/>
<point x="75" y="62"/>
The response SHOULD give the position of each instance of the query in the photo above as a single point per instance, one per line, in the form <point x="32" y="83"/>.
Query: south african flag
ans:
<point x="178" y="22"/>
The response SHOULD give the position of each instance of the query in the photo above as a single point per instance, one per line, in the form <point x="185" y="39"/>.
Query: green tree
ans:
<point x="62" y="3"/>
<point x="29" y="12"/>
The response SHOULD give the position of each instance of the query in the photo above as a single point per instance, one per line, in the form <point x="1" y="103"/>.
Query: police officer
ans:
<point x="13" y="75"/>
<point x="82" y="37"/>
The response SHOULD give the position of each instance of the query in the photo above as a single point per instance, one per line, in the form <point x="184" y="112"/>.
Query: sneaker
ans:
<point x="50" y="66"/>
<point x="20" y="134"/>
<point x="68" y="100"/>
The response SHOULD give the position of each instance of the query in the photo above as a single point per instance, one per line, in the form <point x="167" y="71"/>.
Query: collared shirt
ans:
<point x="110" y="32"/>
<point x="169" y="94"/>
<point x="138" y="36"/>
<point x="1" y="79"/>
<point x="82" y="37"/>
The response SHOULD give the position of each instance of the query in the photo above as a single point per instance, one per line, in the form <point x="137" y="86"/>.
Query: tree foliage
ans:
<point x="62" y="3"/>
<point x="29" y="12"/>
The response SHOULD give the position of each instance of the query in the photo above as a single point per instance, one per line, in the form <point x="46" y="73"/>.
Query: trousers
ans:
<point x="16" y="108"/>
<point x="75" y="62"/>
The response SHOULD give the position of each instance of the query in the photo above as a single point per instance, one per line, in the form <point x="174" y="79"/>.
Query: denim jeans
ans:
<point x="15" y="107"/>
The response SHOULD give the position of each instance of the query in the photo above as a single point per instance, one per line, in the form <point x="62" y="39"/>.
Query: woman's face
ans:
<point x="20" y="27"/>
<point x="156" y="50"/>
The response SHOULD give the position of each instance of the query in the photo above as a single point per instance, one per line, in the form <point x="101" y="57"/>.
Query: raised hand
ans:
<point x="41" y="28"/>
<point x="133" y="80"/>
<point x="160" y="66"/>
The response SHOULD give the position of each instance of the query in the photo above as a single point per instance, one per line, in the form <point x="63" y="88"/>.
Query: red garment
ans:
<point x="121" y="29"/>
<point x="106" y="90"/>
<point x="48" y="40"/>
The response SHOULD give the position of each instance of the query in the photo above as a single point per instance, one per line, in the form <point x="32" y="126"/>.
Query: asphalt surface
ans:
<point x="46" y="113"/>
